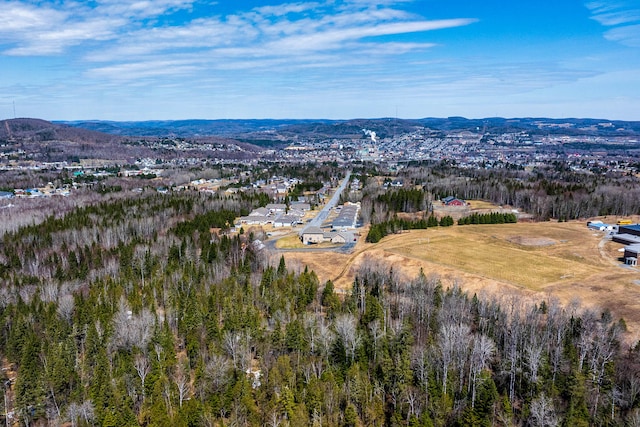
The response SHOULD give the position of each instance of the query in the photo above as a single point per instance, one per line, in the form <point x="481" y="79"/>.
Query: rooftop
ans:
<point x="313" y="230"/>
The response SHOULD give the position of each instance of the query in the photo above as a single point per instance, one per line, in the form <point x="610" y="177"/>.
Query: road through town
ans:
<point x="324" y="213"/>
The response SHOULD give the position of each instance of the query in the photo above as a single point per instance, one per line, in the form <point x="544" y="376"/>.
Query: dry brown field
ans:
<point x="531" y="260"/>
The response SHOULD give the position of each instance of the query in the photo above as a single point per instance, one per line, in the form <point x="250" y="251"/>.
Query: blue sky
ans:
<point x="340" y="59"/>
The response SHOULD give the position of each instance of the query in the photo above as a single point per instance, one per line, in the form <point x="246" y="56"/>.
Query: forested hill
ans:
<point x="184" y="128"/>
<point x="37" y="130"/>
<point x="132" y="312"/>
<point x="382" y="126"/>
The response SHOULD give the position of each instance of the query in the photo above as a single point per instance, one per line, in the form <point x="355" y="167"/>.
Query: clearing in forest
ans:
<point x="502" y="252"/>
<point x="538" y="260"/>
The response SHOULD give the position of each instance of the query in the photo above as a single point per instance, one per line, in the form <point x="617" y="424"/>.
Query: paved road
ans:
<point x="324" y="213"/>
<point x="270" y="244"/>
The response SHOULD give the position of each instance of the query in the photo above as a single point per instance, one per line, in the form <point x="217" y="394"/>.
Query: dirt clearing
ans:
<point x="533" y="260"/>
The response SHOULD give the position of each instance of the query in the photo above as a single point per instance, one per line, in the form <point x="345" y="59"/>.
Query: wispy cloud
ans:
<point x="284" y="9"/>
<point x="622" y="15"/>
<point x="298" y="35"/>
<point x="140" y="8"/>
<point x="17" y="17"/>
<point x="239" y="58"/>
<point x="629" y="35"/>
<point x="56" y="40"/>
<point x="116" y="37"/>
<point x="333" y="39"/>
<point x="144" y="70"/>
<point x="30" y="28"/>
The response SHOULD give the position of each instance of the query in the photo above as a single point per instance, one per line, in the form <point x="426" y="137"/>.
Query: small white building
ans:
<point x="259" y="212"/>
<point x="253" y="220"/>
<point x="343" y="237"/>
<point x="312" y="235"/>
<point x="285" y="221"/>
<point x="300" y="206"/>
<point x="275" y="208"/>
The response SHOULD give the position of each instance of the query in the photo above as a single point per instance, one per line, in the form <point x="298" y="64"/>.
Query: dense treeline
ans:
<point x="379" y="230"/>
<point x="136" y="324"/>
<point x="379" y="204"/>
<point x="551" y="191"/>
<point x="403" y="200"/>
<point x="489" y="218"/>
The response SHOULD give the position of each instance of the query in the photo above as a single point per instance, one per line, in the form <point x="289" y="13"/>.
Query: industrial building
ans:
<point x="347" y="218"/>
<point x="633" y="229"/>
<point x="628" y="235"/>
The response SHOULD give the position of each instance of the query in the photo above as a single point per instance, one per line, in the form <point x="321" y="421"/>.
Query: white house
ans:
<point x="312" y="235"/>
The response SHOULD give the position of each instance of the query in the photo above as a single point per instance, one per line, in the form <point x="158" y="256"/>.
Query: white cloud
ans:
<point x="291" y="30"/>
<point x="628" y="35"/>
<point x="56" y="40"/>
<point x="34" y="29"/>
<point x="284" y="9"/>
<point x="618" y="17"/>
<point x="333" y="39"/>
<point x="17" y="17"/>
<point x="393" y="48"/>
<point x="143" y="70"/>
<point x="140" y="8"/>
<point x="623" y="16"/>
<point x="129" y="47"/>
<point x="269" y="39"/>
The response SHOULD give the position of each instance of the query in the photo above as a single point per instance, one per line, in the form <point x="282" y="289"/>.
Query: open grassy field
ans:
<point x="291" y="241"/>
<point x="520" y="256"/>
<point x="481" y="204"/>
<point x="532" y="260"/>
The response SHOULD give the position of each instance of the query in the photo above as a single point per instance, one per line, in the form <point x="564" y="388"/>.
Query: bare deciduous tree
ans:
<point x="141" y="363"/>
<point x="48" y="291"/>
<point x="420" y="366"/>
<point x="377" y="334"/>
<point x="131" y="329"/>
<point x="217" y="370"/>
<point x="346" y="328"/>
<point x="84" y="411"/>
<point x="543" y="414"/>
<point x="533" y="358"/>
<point x="311" y="330"/>
<point x="181" y="379"/>
<point x="453" y="346"/>
<point x="482" y="352"/>
<point x="325" y="340"/>
<point x="66" y="305"/>
<point x="238" y="347"/>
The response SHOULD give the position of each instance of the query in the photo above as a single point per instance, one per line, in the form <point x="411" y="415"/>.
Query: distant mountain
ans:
<point x="185" y="128"/>
<point x="269" y="131"/>
<point x="62" y="142"/>
<point x="36" y="130"/>
<point x="354" y="128"/>
<point x="52" y="142"/>
<point x="569" y="126"/>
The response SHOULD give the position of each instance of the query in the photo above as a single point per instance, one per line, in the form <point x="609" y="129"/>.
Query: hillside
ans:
<point x="34" y="130"/>
<point x="184" y="128"/>
<point x="60" y="142"/>
<point x="384" y="127"/>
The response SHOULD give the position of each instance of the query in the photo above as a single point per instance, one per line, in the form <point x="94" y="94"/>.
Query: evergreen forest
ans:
<point x="145" y="312"/>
